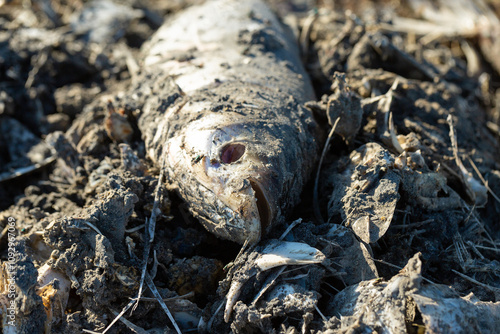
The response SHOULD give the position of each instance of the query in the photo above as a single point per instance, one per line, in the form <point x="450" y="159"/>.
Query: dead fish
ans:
<point x="229" y="125"/>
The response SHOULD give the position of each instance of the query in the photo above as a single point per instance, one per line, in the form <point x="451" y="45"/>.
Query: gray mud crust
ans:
<point x="388" y="223"/>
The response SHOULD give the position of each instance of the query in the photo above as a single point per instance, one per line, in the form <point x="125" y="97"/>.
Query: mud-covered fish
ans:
<point x="228" y="120"/>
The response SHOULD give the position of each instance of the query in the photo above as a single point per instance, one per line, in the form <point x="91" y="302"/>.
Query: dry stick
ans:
<point x="132" y="65"/>
<point x="461" y="250"/>
<point x="317" y="212"/>
<point x="389" y="124"/>
<point x="448" y="21"/>
<point x="243" y="248"/>
<point x="486" y="286"/>
<point x="400" y="268"/>
<point x="485" y="183"/>
<point x="150" y="299"/>
<point x="493" y="128"/>
<point x="125" y="309"/>
<point x="475" y="250"/>
<point x="495" y="244"/>
<point x="24" y="170"/>
<point x="154" y="269"/>
<point x="93" y="227"/>
<point x="394" y="139"/>
<point x="135" y="229"/>
<point x="129" y="324"/>
<point x="212" y="318"/>
<point x="150" y="232"/>
<point x="417" y="224"/>
<point x="293" y="278"/>
<point x="129" y="305"/>
<point x="296" y="268"/>
<point x="370" y="100"/>
<point x="150" y="226"/>
<point x="466" y="220"/>
<point x="472" y="58"/>
<point x="155" y="292"/>
<point x="304" y="37"/>
<point x="488" y="12"/>
<point x="488" y="248"/>
<point x="345" y="32"/>
<point x="268" y="285"/>
<point x="4" y="231"/>
<point x="321" y="314"/>
<point x="289" y="228"/>
<point x="159" y="298"/>
<point x="479" y="222"/>
<point x="331" y="286"/>
<point x="464" y="172"/>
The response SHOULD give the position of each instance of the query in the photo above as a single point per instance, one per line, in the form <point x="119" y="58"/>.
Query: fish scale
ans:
<point x="225" y="116"/>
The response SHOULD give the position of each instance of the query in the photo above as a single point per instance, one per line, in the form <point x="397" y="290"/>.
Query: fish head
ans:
<point x="230" y="167"/>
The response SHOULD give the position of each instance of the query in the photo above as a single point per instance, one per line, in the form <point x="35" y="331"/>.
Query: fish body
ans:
<point x="228" y="124"/>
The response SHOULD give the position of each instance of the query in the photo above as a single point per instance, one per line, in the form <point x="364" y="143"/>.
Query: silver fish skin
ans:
<point x="225" y="117"/>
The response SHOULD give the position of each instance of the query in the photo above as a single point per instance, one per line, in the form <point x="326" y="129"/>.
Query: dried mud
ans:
<point x="404" y="227"/>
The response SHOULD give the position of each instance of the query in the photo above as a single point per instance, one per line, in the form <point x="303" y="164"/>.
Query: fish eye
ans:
<point x="232" y="152"/>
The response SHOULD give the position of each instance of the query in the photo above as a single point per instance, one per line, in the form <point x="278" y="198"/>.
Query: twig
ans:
<point x="129" y="324"/>
<point x="461" y="251"/>
<point x="394" y="139"/>
<point x="135" y="229"/>
<point x="389" y="136"/>
<point x="431" y="31"/>
<point x="150" y="231"/>
<point x="470" y="279"/>
<point x="289" y="228"/>
<point x="388" y="96"/>
<point x="155" y="292"/>
<point x="150" y="299"/>
<point x="293" y="278"/>
<point x="4" y="231"/>
<point x="417" y="224"/>
<point x="212" y="318"/>
<point x="466" y="220"/>
<point x="465" y="176"/>
<point x="493" y="128"/>
<point x="472" y="58"/>
<point x="154" y="269"/>
<point x="268" y="285"/>
<point x="93" y="227"/>
<point x="317" y="212"/>
<point x="159" y="298"/>
<point x="488" y="248"/>
<point x="485" y="183"/>
<point x="331" y="286"/>
<point x="243" y="248"/>
<point x="399" y="268"/>
<point x="475" y="250"/>
<point x="132" y="66"/>
<point x="479" y="223"/>
<point x="295" y="268"/>
<point x="321" y="314"/>
<point x="118" y="316"/>
<point x="304" y="37"/>
<point x="334" y="244"/>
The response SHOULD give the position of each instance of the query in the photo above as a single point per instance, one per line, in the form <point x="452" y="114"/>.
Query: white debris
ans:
<point x="279" y="253"/>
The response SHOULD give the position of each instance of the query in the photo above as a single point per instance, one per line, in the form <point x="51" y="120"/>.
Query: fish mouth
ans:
<point x="263" y="206"/>
<point x="252" y="214"/>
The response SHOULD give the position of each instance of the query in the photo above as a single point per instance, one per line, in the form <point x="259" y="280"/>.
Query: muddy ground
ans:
<point x="409" y="179"/>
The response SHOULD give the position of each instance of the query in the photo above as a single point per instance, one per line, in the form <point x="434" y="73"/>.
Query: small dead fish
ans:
<point x="225" y="115"/>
